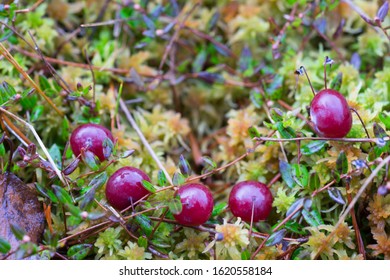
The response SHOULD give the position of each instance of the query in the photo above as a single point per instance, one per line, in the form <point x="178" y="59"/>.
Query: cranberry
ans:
<point x="247" y="195"/>
<point x="90" y="136"/>
<point x="197" y="202"/>
<point x="330" y="114"/>
<point x="124" y="187"/>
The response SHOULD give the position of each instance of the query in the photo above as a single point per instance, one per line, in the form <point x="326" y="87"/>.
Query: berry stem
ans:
<point x="365" y="129"/>
<point x="307" y="76"/>
<point x="325" y="75"/>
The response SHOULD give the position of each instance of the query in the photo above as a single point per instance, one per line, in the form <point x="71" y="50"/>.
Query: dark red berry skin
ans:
<point x="197" y="202"/>
<point x="91" y="135"/>
<point x="124" y="187"/>
<point x="330" y="113"/>
<point x="247" y="193"/>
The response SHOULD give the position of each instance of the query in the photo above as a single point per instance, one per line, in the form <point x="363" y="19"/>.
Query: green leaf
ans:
<point x="314" y="181"/>
<point x="312" y="218"/>
<point x="256" y="98"/>
<point x="98" y="180"/>
<point x="44" y="83"/>
<point x="18" y="231"/>
<point x="342" y="163"/>
<point x="79" y="251"/>
<point x="55" y="153"/>
<point x="245" y="255"/>
<point x="62" y="195"/>
<point x="286" y="171"/>
<point x="199" y="61"/>
<point x="161" y="179"/>
<point x="145" y="223"/>
<point x="276" y="238"/>
<point x="89" y="192"/>
<point x="300" y="174"/>
<point x="90" y="160"/>
<point x="4" y="246"/>
<point x="178" y="179"/>
<point x="37" y="112"/>
<point x="2" y="150"/>
<point x="385" y="119"/>
<point x="148" y="186"/>
<point x="253" y="132"/>
<point x="276" y="114"/>
<point x="74" y="210"/>
<point x="295" y="227"/>
<point x="46" y="192"/>
<point x="312" y="147"/>
<point x="208" y="164"/>
<point x="285" y="132"/>
<point x="175" y="205"/>
<point x="219" y="208"/>
<point x="142" y="242"/>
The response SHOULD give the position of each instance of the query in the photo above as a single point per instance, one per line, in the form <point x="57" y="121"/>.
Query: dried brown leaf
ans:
<point x="19" y="205"/>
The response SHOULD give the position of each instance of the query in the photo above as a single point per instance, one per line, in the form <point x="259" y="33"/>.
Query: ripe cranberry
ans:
<point x="124" y="187"/>
<point x="90" y="136"/>
<point x="197" y="202"/>
<point x="330" y="114"/>
<point x="247" y="195"/>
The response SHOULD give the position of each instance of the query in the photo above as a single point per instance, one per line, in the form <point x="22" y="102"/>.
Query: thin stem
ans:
<point x="355" y="224"/>
<point x="370" y="140"/>
<point x="45" y="151"/>
<point x="325" y="75"/>
<point x="365" y="129"/>
<point x="307" y="76"/>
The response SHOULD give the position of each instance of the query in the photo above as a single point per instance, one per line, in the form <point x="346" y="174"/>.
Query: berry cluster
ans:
<point x="249" y="200"/>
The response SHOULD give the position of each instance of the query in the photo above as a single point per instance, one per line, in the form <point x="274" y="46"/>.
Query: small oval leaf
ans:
<point x="178" y="179"/>
<point x="342" y="163"/>
<point x="175" y="205"/>
<point x="79" y="251"/>
<point x="161" y="178"/>
<point x="276" y="237"/>
<point x="312" y="147"/>
<point x="148" y="186"/>
<point x="4" y="246"/>
<point x="336" y="195"/>
<point x="286" y="171"/>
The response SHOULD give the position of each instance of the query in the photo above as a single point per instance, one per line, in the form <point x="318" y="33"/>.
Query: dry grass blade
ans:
<point x="143" y="139"/>
<point x="45" y="151"/>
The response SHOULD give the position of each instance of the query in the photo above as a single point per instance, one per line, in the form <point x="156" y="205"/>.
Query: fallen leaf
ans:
<point x="19" y="205"/>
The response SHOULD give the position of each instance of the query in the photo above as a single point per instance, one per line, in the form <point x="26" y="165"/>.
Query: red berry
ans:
<point x="330" y="114"/>
<point x="197" y="202"/>
<point x="247" y="195"/>
<point x="124" y="187"/>
<point x="90" y="136"/>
